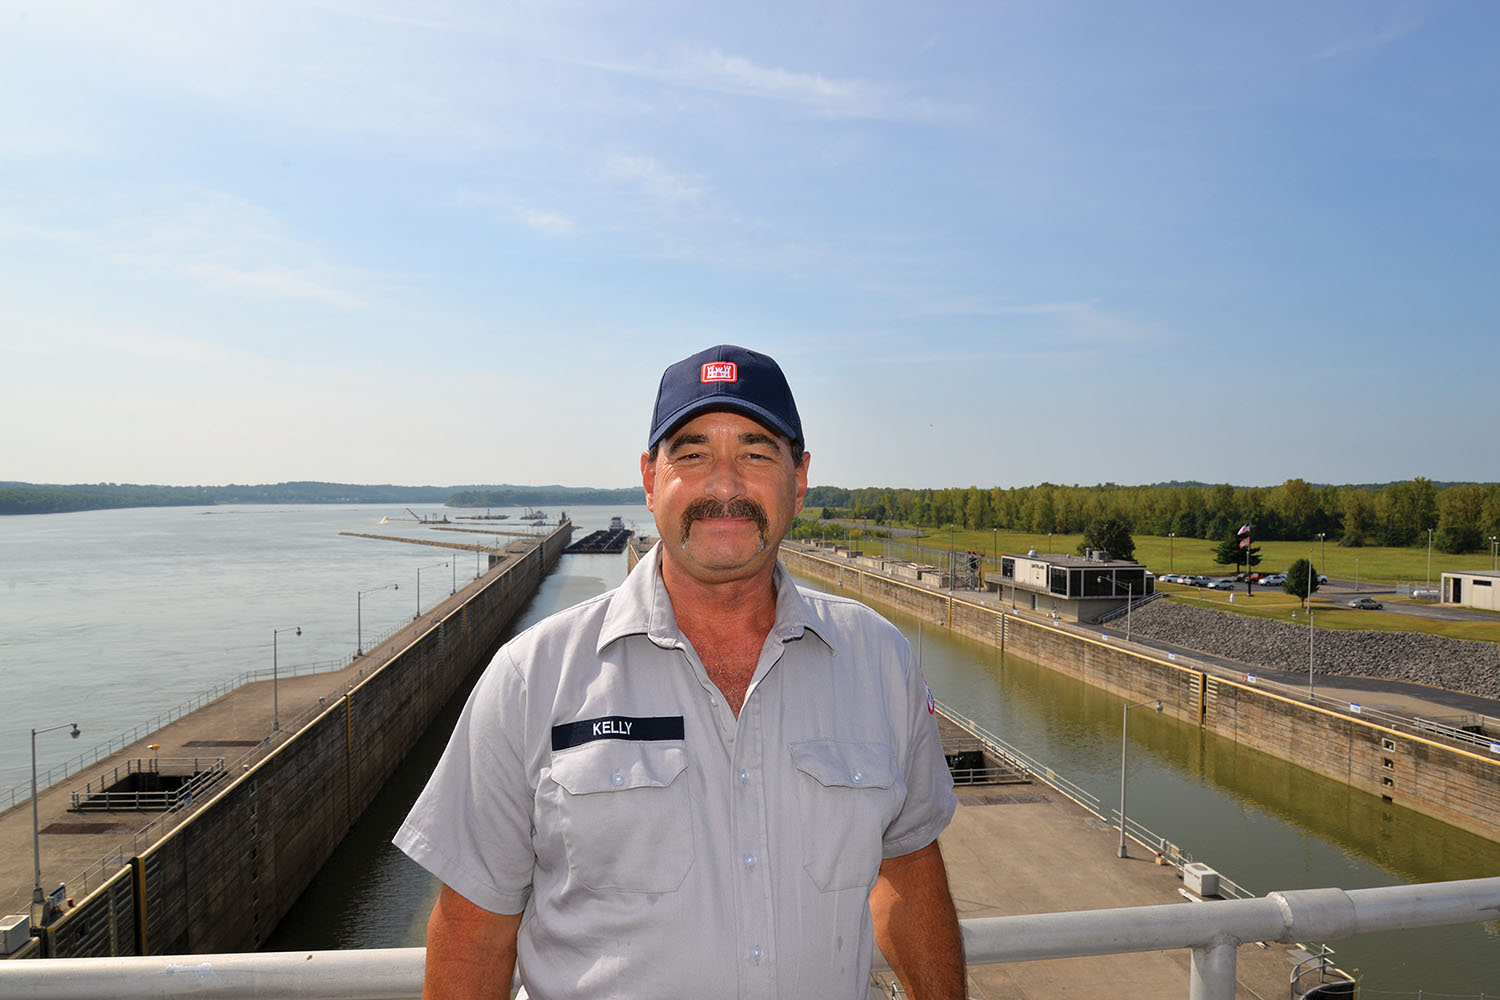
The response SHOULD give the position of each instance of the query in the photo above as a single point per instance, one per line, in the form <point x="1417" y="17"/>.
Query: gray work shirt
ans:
<point x="658" y="845"/>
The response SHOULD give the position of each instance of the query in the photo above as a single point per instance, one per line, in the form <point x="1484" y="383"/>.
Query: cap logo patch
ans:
<point x="720" y="371"/>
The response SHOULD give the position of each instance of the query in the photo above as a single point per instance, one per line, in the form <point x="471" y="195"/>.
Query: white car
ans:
<point x="1223" y="583"/>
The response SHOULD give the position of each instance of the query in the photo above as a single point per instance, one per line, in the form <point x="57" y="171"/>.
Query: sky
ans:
<point x="992" y="244"/>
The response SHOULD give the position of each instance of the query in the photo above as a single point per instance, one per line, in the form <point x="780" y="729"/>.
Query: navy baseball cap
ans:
<point x="725" y="378"/>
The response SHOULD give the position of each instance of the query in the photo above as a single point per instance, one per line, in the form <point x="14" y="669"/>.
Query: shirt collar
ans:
<point x="641" y="606"/>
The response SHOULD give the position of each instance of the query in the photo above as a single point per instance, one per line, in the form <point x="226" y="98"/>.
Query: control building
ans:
<point x="1076" y="588"/>
<point x="1472" y="590"/>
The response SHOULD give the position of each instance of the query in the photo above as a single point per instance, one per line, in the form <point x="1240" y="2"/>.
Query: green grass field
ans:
<point x="1377" y="565"/>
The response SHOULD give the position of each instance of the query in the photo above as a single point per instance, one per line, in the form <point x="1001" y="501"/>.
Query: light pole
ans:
<point x="1356" y="574"/>
<point x="359" y="620"/>
<point x="952" y="565"/>
<point x="1309" y="627"/>
<point x="419" y="587"/>
<point x="921" y="622"/>
<point x="1429" y="562"/>
<point x="1171" y="552"/>
<point x="275" y="675"/>
<point x="1124" y="735"/>
<point x="1494" y="551"/>
<point x="1309" y="651"/>
<point x="1129" y="600"/>
<point x="1049" y="543"/>
<point x="1322" y="548"/>
<point x="38" y="900"/>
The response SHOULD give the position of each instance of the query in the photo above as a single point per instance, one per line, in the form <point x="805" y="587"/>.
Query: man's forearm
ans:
<point x="916" y="926"/>
<point x="471" y="952"/>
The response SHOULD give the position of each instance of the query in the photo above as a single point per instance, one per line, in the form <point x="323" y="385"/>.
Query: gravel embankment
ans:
<point x="1470" y="667"/>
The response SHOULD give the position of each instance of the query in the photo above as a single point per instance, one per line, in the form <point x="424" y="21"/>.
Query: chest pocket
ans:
<point x="847" y="793"/>
<point x="624" y="814"/>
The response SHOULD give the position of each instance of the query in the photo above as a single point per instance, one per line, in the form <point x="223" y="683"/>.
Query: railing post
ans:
<point x="1211" y="975"/>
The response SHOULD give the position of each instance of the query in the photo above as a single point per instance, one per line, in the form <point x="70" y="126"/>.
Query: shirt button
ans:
<point x="755" y="954"/>
<point x="744" y="776"/>
<point x="749" y="861"/>
<point x="617" y="779"/>
<point x="856" y="777"/>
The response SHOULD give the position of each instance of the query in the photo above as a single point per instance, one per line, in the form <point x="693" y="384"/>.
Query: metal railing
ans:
<point x="1456" y="733"/>
<point x="100" y="871"/>
<point x="1131" y="605"/>
<point x="1025" y="764"/>
<point x="109" y="799"/>
<point x="21" y="791"/>
<point x="1212" y="931"/>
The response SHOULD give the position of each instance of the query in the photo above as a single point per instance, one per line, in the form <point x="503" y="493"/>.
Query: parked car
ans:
<point x="1366" y="604"/>
<point x="1274" y="580"/>
<point x="1223" y="583"/>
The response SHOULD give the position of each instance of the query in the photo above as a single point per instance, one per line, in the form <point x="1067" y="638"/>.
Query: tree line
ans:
<point x="522" y="496"/>
<point x="1462" y="516"/>
<point x="33" y="498"/>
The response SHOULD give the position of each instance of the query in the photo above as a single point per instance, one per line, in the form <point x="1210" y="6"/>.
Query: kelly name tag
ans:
<point x="616" y="727"/>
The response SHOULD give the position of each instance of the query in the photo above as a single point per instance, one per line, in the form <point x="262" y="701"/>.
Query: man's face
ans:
<point x="724" y="491"/>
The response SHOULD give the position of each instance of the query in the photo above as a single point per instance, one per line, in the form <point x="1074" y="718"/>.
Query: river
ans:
<point x="111" y="616"/>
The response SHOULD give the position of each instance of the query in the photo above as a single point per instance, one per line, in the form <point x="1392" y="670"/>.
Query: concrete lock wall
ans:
<point x="223" y="879"/>
<point x="1454" y="785"/>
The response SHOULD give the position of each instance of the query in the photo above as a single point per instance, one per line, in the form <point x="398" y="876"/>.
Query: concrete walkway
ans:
<point x="1015" y="849"/>
<point x="83" y="849"/>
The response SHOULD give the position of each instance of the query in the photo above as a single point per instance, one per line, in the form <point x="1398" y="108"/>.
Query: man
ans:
<point x="706" y="783"/>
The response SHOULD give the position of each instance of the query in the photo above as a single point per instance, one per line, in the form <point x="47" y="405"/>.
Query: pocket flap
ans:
<point x="836" y="764"/>
<point x="615" y="765"/>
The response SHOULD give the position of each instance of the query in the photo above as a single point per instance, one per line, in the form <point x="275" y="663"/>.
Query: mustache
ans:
<point x="739" y="507"/>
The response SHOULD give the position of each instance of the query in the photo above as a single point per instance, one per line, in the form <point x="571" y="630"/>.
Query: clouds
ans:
<point x="166" y="238"/>
<point x="546" y="223"/>
<point x="1374" y="37"/>
<point x="710" y="70"/>
<point x="651" y="178"/>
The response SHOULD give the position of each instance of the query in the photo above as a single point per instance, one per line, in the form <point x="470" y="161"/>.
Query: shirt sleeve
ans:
<point x="471" y="826"/>
<point x="930" y="801"/>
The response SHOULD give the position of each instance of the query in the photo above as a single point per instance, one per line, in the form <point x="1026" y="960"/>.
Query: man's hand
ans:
<point x="916" y="926"/>
<point x="471" y="952"/>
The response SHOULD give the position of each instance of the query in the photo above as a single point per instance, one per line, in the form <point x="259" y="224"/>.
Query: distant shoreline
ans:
<point x="40" y="498"/>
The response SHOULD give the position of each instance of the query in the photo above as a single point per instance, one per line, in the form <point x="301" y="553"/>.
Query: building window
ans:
<point x="1098" y="583"/>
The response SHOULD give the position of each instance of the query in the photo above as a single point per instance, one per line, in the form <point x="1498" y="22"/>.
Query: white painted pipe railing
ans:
<point x="1213" y="930"/>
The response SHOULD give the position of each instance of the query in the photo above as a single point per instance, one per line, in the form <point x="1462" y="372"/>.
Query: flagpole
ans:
<point x="1245" y="544"/>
